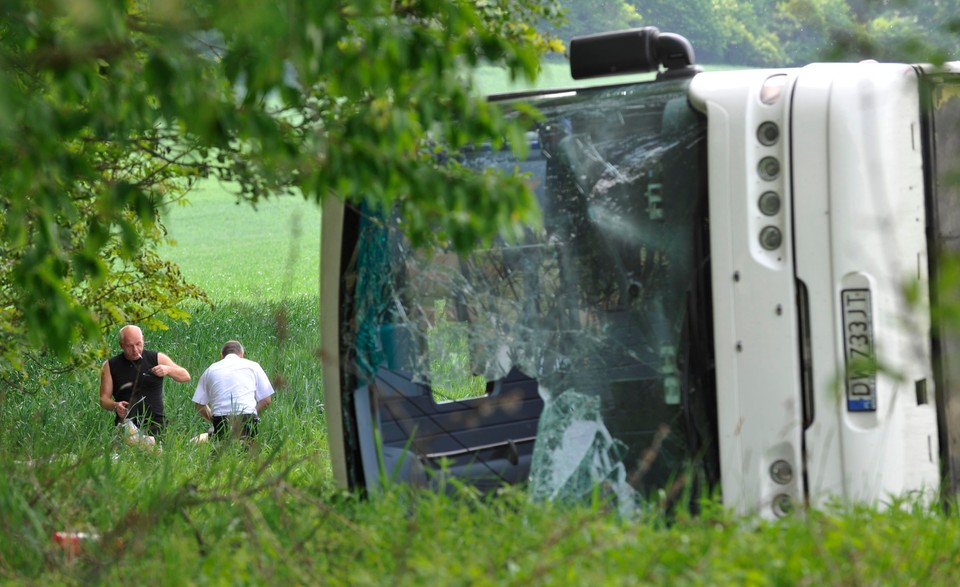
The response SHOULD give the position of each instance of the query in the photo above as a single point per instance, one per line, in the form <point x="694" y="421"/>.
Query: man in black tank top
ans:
<point x="131" y="383"/>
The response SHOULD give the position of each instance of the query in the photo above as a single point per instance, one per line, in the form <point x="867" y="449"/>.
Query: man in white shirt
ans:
<point x="232" y="393"/>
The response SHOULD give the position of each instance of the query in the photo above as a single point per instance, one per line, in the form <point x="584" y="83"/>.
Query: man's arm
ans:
<point x="264" y="391"/>
<point x="167" y="368"/>
<point x="106" y="393"/>
<point x="204" y="411"/>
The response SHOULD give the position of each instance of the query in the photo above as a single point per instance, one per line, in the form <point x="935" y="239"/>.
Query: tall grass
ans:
<point x="193" y="515"/>
<point x="67" y="470"/>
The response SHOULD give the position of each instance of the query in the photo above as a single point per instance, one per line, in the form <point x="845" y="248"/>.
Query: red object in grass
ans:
<point x="70" y="541"/>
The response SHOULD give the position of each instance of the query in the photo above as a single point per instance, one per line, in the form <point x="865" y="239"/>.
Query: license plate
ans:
<point x="860" y="355"/>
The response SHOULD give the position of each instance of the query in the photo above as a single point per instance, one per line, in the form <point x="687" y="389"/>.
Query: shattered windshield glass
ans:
<point x="605" y="306"/>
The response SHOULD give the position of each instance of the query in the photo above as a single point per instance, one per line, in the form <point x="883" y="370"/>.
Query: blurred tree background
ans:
<point x="785" y="32"/>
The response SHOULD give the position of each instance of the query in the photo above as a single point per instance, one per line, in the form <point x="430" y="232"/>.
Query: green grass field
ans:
<point x="239" y="253"/>
<point x="554" y="75"/>
<point x="200" y="515"/>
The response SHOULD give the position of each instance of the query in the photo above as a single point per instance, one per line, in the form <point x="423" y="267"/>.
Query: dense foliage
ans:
<point x="110" y="109"/>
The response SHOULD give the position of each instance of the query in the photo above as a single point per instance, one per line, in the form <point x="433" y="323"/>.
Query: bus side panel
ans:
<point x="941" y="110"/>
<point x="331" y="235"/>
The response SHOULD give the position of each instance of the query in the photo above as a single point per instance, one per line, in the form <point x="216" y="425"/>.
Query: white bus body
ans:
<point x="803" y="366"/>
<point x="852" y="220"/>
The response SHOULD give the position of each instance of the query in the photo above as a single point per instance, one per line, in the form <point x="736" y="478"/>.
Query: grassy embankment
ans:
<point x="194" y="515"/>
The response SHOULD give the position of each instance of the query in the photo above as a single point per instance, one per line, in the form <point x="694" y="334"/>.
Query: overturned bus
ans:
<point x="730" y="292"/>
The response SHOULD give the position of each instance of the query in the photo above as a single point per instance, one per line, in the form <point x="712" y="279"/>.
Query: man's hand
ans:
<point x="121" y="409"/>
<point x="204" y="410"/>
<point x="167" y="368"/>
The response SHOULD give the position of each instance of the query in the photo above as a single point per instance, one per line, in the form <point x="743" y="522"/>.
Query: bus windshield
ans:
<point x="604" y="308"/>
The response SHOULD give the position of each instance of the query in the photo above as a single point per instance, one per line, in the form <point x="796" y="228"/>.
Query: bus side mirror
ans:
<point x="639" y="50"/>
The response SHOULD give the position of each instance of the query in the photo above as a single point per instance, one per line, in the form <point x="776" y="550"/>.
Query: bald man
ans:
<point x="131" y="383"/>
